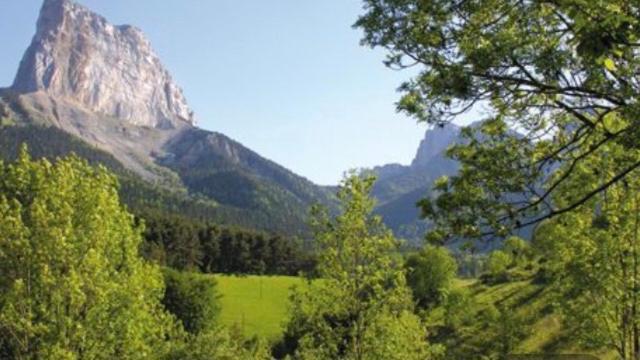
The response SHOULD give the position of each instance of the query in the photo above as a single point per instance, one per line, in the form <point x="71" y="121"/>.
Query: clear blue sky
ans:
<point x="287" y="78"/>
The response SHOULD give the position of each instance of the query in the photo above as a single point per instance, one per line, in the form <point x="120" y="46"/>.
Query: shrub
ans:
<point x="430" y="274"/>
<point x="497" y="264"/>
<point x="193" y="299"/>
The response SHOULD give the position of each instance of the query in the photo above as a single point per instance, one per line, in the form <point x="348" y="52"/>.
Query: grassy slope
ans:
<point x="533" y="302"/>
<point x="256" y="304"/>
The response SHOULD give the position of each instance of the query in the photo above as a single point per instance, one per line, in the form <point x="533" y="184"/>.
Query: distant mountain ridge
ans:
<point x="104" y="85"/>
<point x="400" y="187"/>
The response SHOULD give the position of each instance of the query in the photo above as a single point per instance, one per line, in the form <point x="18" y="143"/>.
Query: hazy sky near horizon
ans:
<point x="286" y="78"/>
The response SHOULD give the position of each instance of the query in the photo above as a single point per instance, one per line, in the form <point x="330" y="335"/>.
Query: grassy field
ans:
<point x="256" y="304"/>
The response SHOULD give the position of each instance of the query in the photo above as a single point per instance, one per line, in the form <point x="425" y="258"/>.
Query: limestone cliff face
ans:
<point x="77" y="56"/>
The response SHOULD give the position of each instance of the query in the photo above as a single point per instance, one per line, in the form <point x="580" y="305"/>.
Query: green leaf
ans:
<point x="609" y="64"/>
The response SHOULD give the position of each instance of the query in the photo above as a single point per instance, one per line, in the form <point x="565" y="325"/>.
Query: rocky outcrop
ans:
<point x="76" y="55"/>
<point x="434" y="144"/>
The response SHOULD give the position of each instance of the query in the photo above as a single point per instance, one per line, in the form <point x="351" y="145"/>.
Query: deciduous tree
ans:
<point x="594" y="254"/>
<point x="430" y="274"/>
<point x="556" y="80"/>
<point x="72" y="285"/>
<point x="360" y="308"/>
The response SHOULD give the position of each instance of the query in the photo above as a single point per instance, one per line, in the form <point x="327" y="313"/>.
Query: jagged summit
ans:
<point x="435" y="142"/>
<point x="78" y="56"/>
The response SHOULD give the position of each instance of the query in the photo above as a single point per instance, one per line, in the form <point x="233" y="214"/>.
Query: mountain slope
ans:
<point x="140" y="195"/>
<point x="400" y="187"/>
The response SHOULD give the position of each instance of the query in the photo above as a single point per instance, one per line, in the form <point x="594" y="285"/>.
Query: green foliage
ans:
<point x="497" y="263"/>
<point x="173" y="241"/>
<point x="362" y="308"/>
<point x="460" y="308"/>
<point x="178" y="232"/>
<point x="188" y="244"/>
<point x="217" y="343"/>
<point x="480" y="321"/>
<point x="593" y="258"/>
<point x="193" y="299"/>
<point x="518" y="249"/>
<point x="563" y="73"/>
<point x="511" y="328"/>
<point x="72" y="284"/>
<point x="430" y="274"/>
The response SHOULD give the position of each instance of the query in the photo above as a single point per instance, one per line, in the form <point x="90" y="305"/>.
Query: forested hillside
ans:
<point x="417" y="303"/>
<point x="142" y="196"/>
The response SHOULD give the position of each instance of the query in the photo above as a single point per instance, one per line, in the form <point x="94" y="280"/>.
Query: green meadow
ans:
<point x="257" y="305"/>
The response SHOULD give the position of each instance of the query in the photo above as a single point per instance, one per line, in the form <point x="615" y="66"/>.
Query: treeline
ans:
<point x="52" y="143"/>
<point x="186" y="241"/>
<point x="187" y="244"/>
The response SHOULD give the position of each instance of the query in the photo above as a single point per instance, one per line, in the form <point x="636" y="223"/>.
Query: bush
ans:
<point x="193" y="299"/>
<point x="430" y="274"/>
<point x="460" y="308"/>
<point x="519" y="250"/>
<point x="218" y="343"/>
<point x="498" y="263"/>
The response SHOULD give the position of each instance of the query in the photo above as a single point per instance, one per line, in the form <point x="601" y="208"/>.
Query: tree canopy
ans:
<point x="430" y="275"/>
<point x="72" y="284"/>
<point x="593" y="256"/>
<point x="555" y="80"/>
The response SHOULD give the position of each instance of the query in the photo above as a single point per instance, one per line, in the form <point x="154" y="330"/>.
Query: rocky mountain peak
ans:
<point x="78" y="56"/>
<point x="435" y="143"/>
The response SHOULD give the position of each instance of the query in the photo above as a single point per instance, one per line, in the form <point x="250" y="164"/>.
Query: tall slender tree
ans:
<point x="360" y="308"/>
<point x="594" y="257"/>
